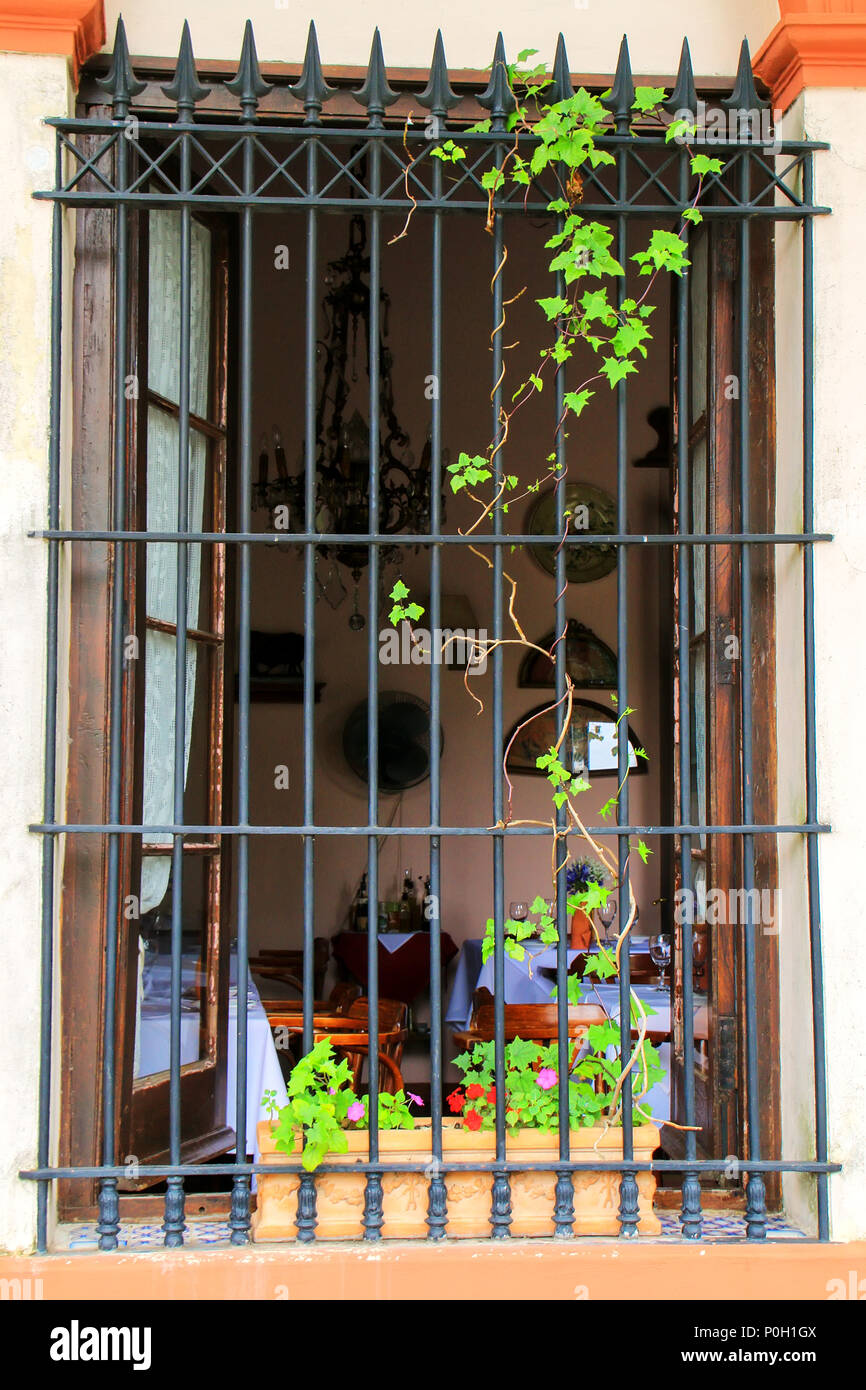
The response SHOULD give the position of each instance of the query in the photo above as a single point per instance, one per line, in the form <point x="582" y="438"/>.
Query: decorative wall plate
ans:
<point x="584" y="563"/>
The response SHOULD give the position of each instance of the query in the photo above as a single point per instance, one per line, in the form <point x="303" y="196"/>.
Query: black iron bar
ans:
<point x="628" y="1188"/>
<point x="563" y="1214"/>
<point x="505" y="538"/>
<point x="306" y="1218"/>
<point x="605" y="1165"/>
<point x="210" y="202"/>
<point x="240" y="1206"/>
<point x="174" y="1224"/>
<point x="437" y="1202"/>
<point x="49" y="795"/>
<point x="756" y="1206"/>
<point x="690" y="1214"/>
<point x="395" y="133"/>
<point x="123" y="828"/>
<point x="500" y="1212"/>
<point x="109" y="1210"/>
<point x="372" y="1218"/>
<point x="815" y="931"/>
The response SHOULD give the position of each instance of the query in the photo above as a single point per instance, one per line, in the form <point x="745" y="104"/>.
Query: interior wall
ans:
<point x="277" y="586"/>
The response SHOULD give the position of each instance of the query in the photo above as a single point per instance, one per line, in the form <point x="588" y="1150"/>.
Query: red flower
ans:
<point x="491" y="1095"/>
<point x="473" y="1119"/>
<point x="456" y="1101"/>
<point x="474" y="1092"/>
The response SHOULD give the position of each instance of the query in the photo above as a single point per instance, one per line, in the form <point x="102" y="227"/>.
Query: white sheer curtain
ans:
<point x="162" y="481"/>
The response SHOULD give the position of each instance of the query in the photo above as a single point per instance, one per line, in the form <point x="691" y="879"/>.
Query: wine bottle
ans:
<point x="406" y="897"/>
<point x="362" y="906"/>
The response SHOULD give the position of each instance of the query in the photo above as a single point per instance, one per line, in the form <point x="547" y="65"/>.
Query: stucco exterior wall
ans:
<point x="31" y="88"/>
<point x="840" y="600"/>
<point x="592" y="30"/>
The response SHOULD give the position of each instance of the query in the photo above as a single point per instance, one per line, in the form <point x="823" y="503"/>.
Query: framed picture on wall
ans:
<point x="590" y="663"/>
<point x="590" y="748"/>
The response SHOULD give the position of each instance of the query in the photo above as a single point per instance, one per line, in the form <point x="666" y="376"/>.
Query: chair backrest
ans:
<point x="537" y="1022"/>
<point x="343" y="996"/>
<point x="392" y="1012"/>
<point x="293" y="961"/>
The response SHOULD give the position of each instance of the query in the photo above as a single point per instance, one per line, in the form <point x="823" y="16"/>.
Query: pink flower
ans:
<point x="355" y="1111"/>
<point x="546" y="1078"/>
<point x="416" y="1100"/>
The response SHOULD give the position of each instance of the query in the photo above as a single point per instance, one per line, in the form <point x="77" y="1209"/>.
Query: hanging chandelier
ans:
<point x="342" y="496"/>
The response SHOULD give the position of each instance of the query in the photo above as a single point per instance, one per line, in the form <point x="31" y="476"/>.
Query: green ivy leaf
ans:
<point x="648" y="98"/>
<point x="702" y="164"/>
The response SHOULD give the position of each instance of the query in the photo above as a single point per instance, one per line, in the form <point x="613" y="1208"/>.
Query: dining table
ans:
<point x="533" y="981"/>
<point x="403" y="960"/>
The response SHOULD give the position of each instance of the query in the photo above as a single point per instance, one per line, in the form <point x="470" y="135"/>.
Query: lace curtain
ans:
<point x="162" y="480"/>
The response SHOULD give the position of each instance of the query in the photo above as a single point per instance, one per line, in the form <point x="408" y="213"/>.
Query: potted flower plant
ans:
<point x="578" y="876"/>
<point x="325" y="1121"/>
<point x="532" y="1129"/>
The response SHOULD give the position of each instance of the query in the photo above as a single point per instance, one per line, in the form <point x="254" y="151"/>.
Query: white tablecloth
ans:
<point x="263" y="1066"/>
<point x="532" y="981"/>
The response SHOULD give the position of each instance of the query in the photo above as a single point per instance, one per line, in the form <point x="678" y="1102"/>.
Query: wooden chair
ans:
<point x="350" y="1037"/>
<point x="393" y="1018"/>
<point x="538" y="1022"/>
<point x="337" y="1002"/>
<point x="292" y="963"/>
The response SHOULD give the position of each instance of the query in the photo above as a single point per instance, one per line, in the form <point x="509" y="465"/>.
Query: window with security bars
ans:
<point x="424" y="679"/>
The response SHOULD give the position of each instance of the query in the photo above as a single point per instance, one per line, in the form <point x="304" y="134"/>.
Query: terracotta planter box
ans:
<point x="340" y="1196"/>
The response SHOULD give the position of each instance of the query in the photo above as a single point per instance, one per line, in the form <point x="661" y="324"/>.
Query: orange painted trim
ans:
<point x="465" y="1270"/>
<point x="814" y="50"/>
<point x="74" y="29"/>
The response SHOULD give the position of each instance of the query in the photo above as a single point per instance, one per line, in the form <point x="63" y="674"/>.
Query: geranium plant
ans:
<point x="532" y="1083"/>
<point x="322" y="1107"/>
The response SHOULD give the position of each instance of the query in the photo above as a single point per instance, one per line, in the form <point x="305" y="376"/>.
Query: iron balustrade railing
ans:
<point x="138" y="160"/>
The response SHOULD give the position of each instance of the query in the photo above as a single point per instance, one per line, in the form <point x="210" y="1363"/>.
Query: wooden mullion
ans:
<point x="196" y="421"/>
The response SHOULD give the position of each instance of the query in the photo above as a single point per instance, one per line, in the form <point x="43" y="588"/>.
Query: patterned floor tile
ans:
<point x="139" y="1235"/>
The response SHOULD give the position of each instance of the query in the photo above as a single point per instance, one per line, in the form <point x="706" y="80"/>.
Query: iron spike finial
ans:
<point x="249" y="85"/>
<point x="498" y="98"/>
<point x="619" y="103"/>
<point x="375" y="94"/>
<point x="120" y="82"/>
<point x="437" y="96"/>
<point x="311" y="87"/>
<point x="560" y="88"/>
<point x="683" y="97"/>
<point x="744" y="97"/>
<point x="185" y="88"/>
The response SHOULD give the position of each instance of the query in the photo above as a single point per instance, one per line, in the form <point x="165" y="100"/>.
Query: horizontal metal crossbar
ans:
<point x="271" y="538"/>
<point x="507" y="1165"/>
<point x="118" y="828"/>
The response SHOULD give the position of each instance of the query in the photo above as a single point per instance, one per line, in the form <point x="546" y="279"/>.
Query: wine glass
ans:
<point x="660" y="955"/>
<point x="518" y="911"/>
<point x="606" y="915"/>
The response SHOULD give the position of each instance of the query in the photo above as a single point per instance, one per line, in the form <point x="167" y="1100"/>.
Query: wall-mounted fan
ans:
<point x="404" y="741"/>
